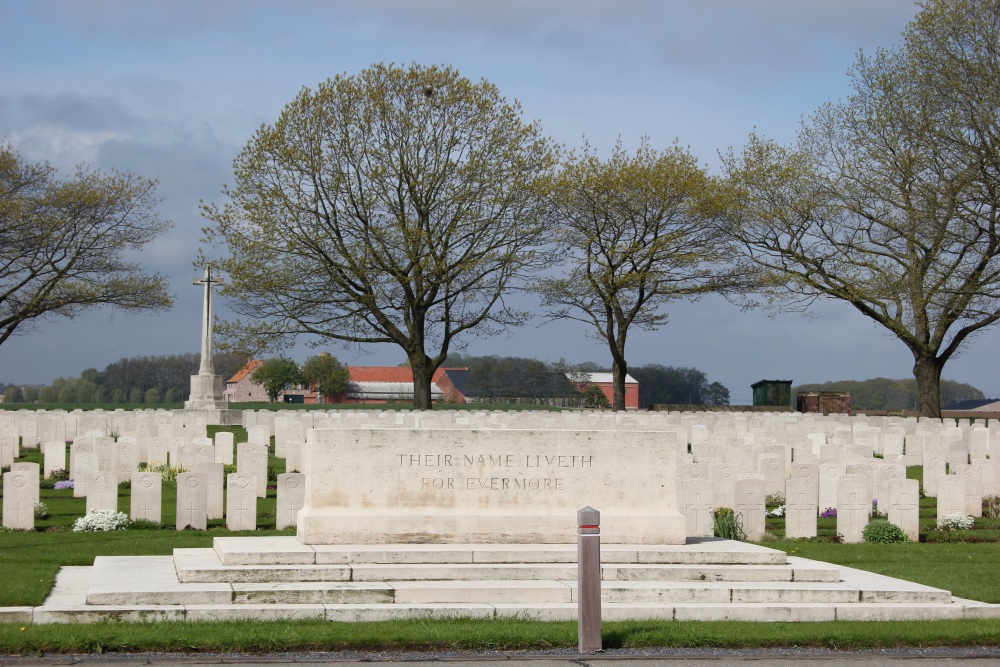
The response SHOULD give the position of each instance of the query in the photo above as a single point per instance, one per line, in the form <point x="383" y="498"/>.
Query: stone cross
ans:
<point x="206" y="324"/>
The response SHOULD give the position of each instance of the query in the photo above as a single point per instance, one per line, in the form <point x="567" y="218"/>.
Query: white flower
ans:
<point x="777" y="511"/>
<point x="956" y="522"/>
<point x="101" y="520"/>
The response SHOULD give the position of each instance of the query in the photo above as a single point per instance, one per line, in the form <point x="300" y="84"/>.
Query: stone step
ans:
<point x="203" y="565"/>
<point x="287" y="550"/>
<point x="67" y="604"/>
<point x="153" y="581"/>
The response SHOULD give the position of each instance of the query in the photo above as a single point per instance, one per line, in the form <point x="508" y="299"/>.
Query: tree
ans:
<point x="394" y="206"/>
<point x="593" y="397"/>
<point x="276" y="375"/>
<point x="12" y="394"/>
<point x="153" y="395"/>
<point x="889" y="200"/>
<point x="327" y="374"/>
<point x="636" y="234"/>
<point x="677" y="386"/>
<point x="63" y="244"/>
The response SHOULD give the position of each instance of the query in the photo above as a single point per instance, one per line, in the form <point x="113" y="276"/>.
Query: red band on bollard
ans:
<point x="589" y="526"/>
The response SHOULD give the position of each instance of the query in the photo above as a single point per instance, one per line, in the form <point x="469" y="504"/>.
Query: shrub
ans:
<point x="41" y="511"/>
<point x="828" y="513"/>
<point x="101" y="520"/>
<point x="880" y="531"/>
<point x="956" y="522"/>
<point x="727" y="524"/>
<point x="144" y="524"/>
<point x="169" y="473"/>
<point x="59" y="474"/>
<point x="773" y="500"/>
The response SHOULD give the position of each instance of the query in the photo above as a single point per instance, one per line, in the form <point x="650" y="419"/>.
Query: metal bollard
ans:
<point x="588" y="608"/>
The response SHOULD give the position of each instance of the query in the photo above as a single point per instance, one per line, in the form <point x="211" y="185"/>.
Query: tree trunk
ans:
<point x="927" y="371"/>
<point x="422" y="373"/>
<point x="618" y="372"/>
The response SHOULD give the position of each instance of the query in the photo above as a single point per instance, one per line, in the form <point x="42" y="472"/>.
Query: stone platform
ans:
<point x="278" y="577"/>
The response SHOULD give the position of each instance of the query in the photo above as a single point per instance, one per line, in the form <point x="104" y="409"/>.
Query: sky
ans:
<point x="173" y="89"/>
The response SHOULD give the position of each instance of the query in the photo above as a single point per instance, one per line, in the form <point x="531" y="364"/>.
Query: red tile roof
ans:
<point x="386" y="374"/>
<point x="246" y="370"/>
<point x="380" y="374"/>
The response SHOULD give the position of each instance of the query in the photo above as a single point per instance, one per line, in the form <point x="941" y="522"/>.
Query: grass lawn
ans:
<point x="463" y="634"/>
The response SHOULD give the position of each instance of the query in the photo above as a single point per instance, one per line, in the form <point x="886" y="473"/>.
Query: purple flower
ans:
<point x="829" y="513"/>
<point x="63" y="484"/>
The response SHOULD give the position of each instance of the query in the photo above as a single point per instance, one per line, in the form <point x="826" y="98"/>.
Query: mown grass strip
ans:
<point x="464" y="634"/>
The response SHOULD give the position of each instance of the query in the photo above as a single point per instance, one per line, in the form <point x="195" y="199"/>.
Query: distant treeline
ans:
<point x="154" y="379"/>
<point x="886" y="394"/>
<point x="499" y="378"/>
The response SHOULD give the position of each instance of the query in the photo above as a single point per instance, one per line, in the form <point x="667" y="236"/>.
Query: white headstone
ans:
<point x="951" y="496"/>
<point x="749" y="508"/>
<point x="192" y="501"/>
<point x="147" y="496"/>
<point x="18" y="500"/>
<point x="241" y="502"/>
<point x="8" y="449"/>
<point x="214" y="473"/>
<point x="55" y="457"/>
<point x="224" y="447"/>
<point x="259" y="435"/>
<point x="695" y="501"/>
<point x="853" y="508"/>
<point x="34" y="470"/>
<point x="829" y="476"/>
<point x="102" y="491"/>
<point x="252" y="460"/>
<point x="291" y="498"/>
<point x="973" y="476"/>
<point x="934" y="470"/>
<point x="126" y="458"/>
<point x="904" y="506"/>
<point x="800" y="508"/>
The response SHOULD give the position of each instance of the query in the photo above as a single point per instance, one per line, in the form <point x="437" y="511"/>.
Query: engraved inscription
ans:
<point x="482" y="480"/>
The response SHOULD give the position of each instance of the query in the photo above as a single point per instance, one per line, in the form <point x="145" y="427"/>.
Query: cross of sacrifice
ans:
<point x="206" y="324"/>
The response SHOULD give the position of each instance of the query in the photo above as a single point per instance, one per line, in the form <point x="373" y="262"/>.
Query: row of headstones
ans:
<point x="854" y="492"/>
<point x="46" y="426"/>
<point x="199" y="497"/>
<point x="854" y="507"/>
<point x="102" y="454"/>
<point x="884" y="436"/>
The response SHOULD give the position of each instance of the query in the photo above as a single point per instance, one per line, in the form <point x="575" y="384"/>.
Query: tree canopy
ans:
<point x="668" y="385"/>
<point x="276" y="375"/>
<point x="63" y="244"/>
<point x="326" y="374"/>
<point x="889" y="200"/>
<point x="398" y="205"/>
<point x="635" y="232"/>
